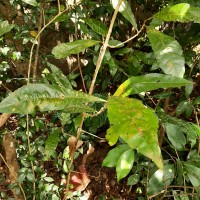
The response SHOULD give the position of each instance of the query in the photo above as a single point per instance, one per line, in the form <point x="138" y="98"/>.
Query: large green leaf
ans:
<point x="168" y="53"/>
<point x="113" y="155"/>
<point x="125" y="10"/>
<point x="182" y="12"/>
<point x="136" y="124"/>
<point x="63" y="50"/>
<point x="138" y="84"/>
<point x="5" y="27"/>
<point x="125" y="164"/>
<point x="97" y="26"/>
<point x="32" y="97"/>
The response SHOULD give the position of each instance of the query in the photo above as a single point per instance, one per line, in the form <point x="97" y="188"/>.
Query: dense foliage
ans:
<point x="71" y="69"/>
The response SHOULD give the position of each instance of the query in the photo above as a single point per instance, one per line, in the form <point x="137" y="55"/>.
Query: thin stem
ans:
<point x="29" y="151"/>
<point x="103" y="48"/>
<point x="13" y="176"/>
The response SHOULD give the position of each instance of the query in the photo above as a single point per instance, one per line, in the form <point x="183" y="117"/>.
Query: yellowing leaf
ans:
<point x="136" y="124"/>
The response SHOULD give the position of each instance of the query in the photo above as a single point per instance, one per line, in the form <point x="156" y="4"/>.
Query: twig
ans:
<point x="99" y="61"/>
<point x="93" y="135"/>
<point x="39" y="33"/>
<point x="103" y="48"/>
<point x="38" y="44"/>
<point x="13" y="176"/>
<point x="29" y="151"/>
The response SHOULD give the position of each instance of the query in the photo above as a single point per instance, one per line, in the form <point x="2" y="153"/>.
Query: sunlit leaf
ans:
<point x="113" y="155"/>
<point x="63" y="50"/>
<point x="31" y="2"/>
<point x="42" y="97"/>
<point x="182" y="12"/>
<point x="125" y="10"/>
<point x="138" y="84"/>
<point x="135" y="124"/>
<point x="97" y="26"/>
<point x="5" y="27"/>
<point x="125" y="164"/>
<point x="168" y="53"/>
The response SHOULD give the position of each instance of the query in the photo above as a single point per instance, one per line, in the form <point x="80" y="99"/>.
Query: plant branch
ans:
<point x="104" y="47"/>
<point x="99" y="61"/>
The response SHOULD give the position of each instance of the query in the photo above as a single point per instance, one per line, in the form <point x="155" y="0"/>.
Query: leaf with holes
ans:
<point x="168" y="53"/>
<point x="42" y="97"/>
<point x="63" y="50"/>
<point x="136" y="124"/>
<point x="138" y="84"/>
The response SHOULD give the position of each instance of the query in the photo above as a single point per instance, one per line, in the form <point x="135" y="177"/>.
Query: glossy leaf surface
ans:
<point x="125" y="164"/>
<point x="168" y="53"/>
<point x="138" y="84"/>
<point x="135" y="124"/>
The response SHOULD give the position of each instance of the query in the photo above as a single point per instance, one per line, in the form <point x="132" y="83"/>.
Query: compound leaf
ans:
<point x="135" y="124"/>
<point x="168" y="53"/>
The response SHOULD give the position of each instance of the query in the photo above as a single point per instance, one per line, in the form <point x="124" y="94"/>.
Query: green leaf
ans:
<point x="175" y="136"/>
<point x="63" y="50"/>
<point x="133" y="179"/>
<point x="155" y="184"/>
<point x="181" y="107"/>
<point x="125" y="10"/>
<point x="138" y="84"/>
<point x="115" y="43"/>
<point x="31" y="2"/>
<point x="97" y="26"/>
<point x="51" y="144"/>
<point x="42" y="97"/>
<point x="5" y="27"/>
<point x="30" y="177"/>
<point x="168" y="53"/>
<point x="161" y="179"/>
<point x="196" y="101"/>
<point x="135" y="124"/>
<point x="113" y="155"/>
<point x="193" y="174"/>
<point x="125" y="164"/>
<point x="182" y="12"/>
<point x="58" y="78"/>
